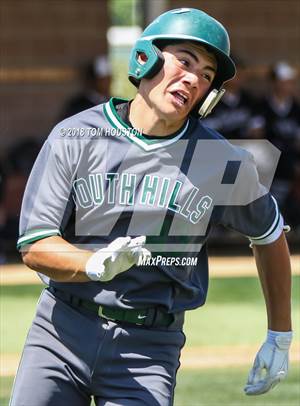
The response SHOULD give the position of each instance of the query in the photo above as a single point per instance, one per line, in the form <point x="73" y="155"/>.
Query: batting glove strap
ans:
<point x="282" y="339"/>
<point x="271" y="363"/>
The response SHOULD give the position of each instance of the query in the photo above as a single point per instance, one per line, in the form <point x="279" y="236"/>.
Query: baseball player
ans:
<point x="115" y="219"/>
<point x="96" y="78"/>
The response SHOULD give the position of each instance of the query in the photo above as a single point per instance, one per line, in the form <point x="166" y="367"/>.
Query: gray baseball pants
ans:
<point x="72" y="355"/>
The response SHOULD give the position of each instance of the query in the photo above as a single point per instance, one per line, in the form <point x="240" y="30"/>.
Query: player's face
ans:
<point x="284" y="88"/>
<point x="185" y="78"/>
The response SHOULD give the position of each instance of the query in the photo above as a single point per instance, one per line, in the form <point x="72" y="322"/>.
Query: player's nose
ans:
<point x="190" y="79"/>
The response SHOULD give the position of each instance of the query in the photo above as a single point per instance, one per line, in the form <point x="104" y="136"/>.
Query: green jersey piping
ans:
<point x="36" y="235"/>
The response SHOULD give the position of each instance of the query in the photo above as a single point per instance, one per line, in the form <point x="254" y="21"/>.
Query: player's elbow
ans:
<point x="36" y="262"/>
<point x="32" y="255"/>
<point x="28" y="259"/>
<point x="36" y="254"/>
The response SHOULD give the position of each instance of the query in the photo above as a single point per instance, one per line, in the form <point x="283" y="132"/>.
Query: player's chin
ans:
<point x="175" y="115"/>
<point x="179" y="111"/>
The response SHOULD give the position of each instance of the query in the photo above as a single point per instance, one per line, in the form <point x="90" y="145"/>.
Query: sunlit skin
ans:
<point x="164" y="101"/>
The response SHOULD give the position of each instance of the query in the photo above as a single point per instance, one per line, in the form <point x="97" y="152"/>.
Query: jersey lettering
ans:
<point x="172" y="196"/>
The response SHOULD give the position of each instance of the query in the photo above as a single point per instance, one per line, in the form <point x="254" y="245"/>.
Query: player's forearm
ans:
<point x="273" y="263"/>
<point x="56" y="258"/>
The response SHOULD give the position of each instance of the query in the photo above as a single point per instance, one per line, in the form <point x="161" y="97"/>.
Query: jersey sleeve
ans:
<point x="47" y="194"/>
<point x="260" y="219"/>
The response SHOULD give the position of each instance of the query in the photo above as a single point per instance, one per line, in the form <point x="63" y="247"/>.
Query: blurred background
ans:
<point x="59" y="57"/>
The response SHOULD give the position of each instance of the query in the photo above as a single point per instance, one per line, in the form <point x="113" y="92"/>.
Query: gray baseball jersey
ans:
<point x="96" y="179"/>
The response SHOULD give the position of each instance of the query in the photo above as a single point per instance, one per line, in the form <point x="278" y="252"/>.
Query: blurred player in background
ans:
<point x="116" y="224"/>
<point x="277" y="118"/>
<point x="233" y="113"/>
<point x="96" y="78"/>
<point x="17" y="166"/>
<point x="2" y="213"/>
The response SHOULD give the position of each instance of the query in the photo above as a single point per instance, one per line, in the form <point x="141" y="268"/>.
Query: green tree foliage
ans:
<point x="125" y="12"/>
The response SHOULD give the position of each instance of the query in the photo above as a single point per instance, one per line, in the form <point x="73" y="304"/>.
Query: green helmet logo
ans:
<point x="181" y="24"/>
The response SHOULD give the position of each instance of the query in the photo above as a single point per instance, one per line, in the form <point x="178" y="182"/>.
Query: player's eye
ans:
<point x="207" y="77"/>
<point x="184" y="62"/>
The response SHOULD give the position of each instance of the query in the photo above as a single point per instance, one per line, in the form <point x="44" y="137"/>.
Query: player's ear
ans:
<point x="142" y="58"/>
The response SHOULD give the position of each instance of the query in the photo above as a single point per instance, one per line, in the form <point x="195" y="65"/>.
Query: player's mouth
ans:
<point x="179" y="97"/>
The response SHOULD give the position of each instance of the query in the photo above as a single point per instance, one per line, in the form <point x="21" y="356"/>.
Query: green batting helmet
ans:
<point x="188" y="24"/>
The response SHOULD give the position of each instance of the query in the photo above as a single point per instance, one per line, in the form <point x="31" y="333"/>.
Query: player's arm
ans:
<point x="261" y="221"/>
<point x="63" y="262"/>
<point x="273" y="264"/>
<point x="57" y="259"/>
<point x="272" y="360"/>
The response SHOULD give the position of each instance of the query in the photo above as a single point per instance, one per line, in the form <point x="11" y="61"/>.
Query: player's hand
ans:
<point x="119" y="256"/>
<point x="271" y="363"/>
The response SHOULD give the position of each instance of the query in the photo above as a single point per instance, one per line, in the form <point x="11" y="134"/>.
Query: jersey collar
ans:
<point x="137" y="137"/>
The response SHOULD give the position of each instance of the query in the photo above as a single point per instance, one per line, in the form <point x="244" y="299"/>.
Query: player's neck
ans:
<point x="142" y="116"/>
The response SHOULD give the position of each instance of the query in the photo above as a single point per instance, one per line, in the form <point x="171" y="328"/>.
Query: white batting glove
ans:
<point x="271" y="363"/>
<point x="120" y="255"/>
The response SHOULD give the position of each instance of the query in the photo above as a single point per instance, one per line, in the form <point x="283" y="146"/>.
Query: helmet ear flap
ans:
<point x="157" y="65"/>
<point x="150" y="67"/>
<point x="205" y="106"/>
